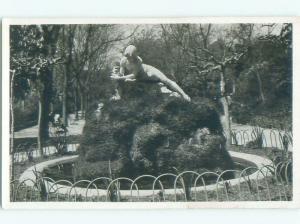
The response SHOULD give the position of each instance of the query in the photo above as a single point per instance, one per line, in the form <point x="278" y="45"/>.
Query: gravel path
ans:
<point x="75" y="128"/>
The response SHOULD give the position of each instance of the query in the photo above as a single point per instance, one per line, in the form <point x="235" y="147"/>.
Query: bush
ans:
<point x="210" y="154"/>
<point x="281" y="121"/>
<point x="27" y="117"/>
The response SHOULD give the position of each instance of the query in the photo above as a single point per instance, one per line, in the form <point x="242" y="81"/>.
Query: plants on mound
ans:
<point x="141" y="134"/>
<point x="195" y="156"/>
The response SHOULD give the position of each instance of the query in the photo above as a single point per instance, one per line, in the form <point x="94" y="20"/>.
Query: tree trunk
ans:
<point x="225" y="121"/>
<point x="65" y="99"/>
<point x="43" y="132"/>
<point x="44" y="109"/>
<point x="75" y="104"/>
<point x="45" y="79"/>
<point x="82" y="105"/>
<point x="40" y="131"/>
<point x="225" y="115"/>
<point x="68" y="64"/>
<point x="260" y="89"/>
<point x="86" y="101"/>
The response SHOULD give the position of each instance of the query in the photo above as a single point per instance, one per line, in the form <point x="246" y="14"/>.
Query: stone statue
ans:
<point x="132" y="69"/>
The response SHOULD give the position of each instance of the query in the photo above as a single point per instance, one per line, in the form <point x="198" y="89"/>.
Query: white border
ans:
<point x="145" y="205"/>
<point x="166" y="20"/>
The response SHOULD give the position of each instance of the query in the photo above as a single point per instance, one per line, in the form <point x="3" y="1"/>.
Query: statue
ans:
<point x="132" y="69"/>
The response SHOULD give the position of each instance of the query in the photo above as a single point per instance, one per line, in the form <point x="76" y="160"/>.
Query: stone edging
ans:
<point x="258" y="161"/>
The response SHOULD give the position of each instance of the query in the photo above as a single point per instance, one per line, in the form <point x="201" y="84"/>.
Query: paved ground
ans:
<point x="49" y="150"/>
<point x="75" y="128"/>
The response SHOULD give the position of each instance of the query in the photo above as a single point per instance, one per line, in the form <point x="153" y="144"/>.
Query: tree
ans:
<point x="91" y="47"/>
<point x="211" y="53"/>
<point x="33" y="55"/>
<point x="221" y="55"/>
<point x="67" y="42"/>
<point x="176" y="41"/>
<point x="265" y="77"/>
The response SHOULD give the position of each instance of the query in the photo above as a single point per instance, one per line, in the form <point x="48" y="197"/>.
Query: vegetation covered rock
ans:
<point x="144" y="132"/>
<point x="209" y="154"/>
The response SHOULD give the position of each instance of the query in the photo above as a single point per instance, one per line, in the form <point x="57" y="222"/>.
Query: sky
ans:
<point x="116" y="52"/>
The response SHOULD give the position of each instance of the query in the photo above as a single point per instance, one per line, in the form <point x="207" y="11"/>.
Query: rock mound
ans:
<point x="148" y="133"/>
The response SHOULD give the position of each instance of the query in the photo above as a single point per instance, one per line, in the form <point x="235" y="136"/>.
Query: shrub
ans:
<point x="27" y="116"/>
<point x="210" y="154"/>
<point x="257" y="136"/>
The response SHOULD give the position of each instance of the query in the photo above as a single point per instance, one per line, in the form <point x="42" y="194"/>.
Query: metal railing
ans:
<point x="262" y="138"/>
<point x="28" y="152"/>
<point x="268" y="183"/>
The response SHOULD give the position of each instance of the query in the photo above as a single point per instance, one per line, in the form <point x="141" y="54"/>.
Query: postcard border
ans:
<point x="146" y="205"/>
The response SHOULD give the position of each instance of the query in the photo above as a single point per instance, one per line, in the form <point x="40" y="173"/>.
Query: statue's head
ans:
<point x="130" y="52"/>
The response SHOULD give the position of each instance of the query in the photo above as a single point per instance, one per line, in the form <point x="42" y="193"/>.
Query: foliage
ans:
<point x="270" y="60"/>
<point x="279" y="121"/>
<point x="205" y="155"/>
<point x="33" y="56"/>
<point x="25" y="115"/>
<point x="286" y="139"/>
<point x="40" y="185"/>
<point x="58" y="134"/>
<point x="31" y="52"/>
<point x="258" y="138"/>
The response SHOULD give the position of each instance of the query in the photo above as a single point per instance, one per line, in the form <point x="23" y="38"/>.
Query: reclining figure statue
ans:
<point x="132" y="69"/>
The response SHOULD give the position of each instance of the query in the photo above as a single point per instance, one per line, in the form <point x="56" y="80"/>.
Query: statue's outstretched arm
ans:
<point x="124" y="77"/>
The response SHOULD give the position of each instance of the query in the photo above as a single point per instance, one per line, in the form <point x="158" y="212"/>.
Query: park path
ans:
<point x="23" y="156"/>
<point x="75" y="128"/>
